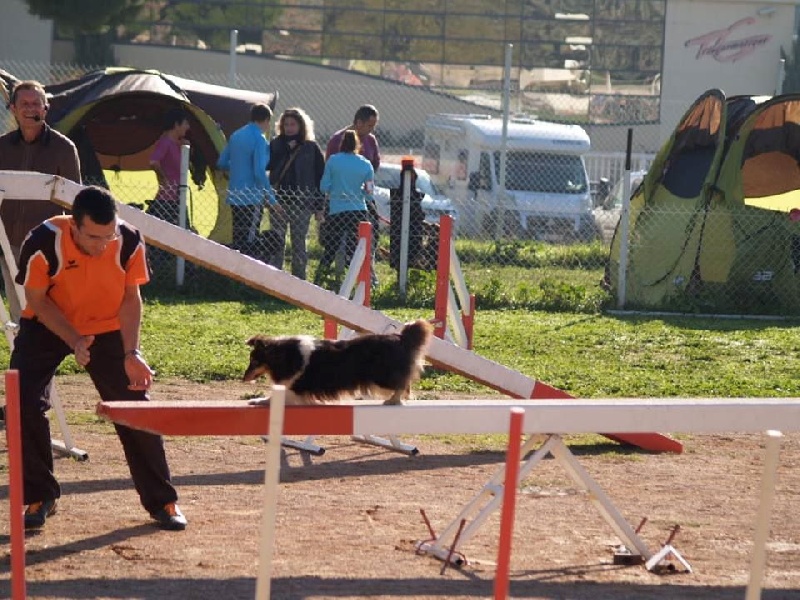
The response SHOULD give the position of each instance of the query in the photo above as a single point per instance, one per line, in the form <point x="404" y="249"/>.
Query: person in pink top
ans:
<point x="364" y="123"/>
<point x="166" y="162"/>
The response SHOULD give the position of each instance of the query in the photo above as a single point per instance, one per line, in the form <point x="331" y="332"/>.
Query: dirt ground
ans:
<point x="347" y="521"/>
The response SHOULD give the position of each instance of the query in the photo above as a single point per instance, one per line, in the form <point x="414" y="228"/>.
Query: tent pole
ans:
<point x="183" y="193"/>
<point x="624" y="224"/>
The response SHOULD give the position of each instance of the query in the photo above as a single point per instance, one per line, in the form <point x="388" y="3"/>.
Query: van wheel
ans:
<point x="512" y="227"/>
<point x="588" y="232"/>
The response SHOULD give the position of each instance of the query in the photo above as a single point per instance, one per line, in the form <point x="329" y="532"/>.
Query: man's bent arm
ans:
<point x="139" y="373"/>
<point x="51" y="315"/>
<point x="130" y="318"/>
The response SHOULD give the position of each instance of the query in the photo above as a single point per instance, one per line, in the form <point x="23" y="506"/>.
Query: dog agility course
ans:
<point x="283" y="285"/>
<point x="548" y="412"/>
<point x="749" y="415"/>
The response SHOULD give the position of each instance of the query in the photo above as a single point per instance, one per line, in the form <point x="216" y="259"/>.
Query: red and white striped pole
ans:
<point x="330" y="328"/>
<point x="442" y="276"/>
<point x="365" y="273"/>
<point x="509" y="503"/>
<point x="15" y="493"/>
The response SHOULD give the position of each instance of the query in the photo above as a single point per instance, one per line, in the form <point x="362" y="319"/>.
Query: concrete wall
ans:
<point x="329" y="95"/>
<point x="22" y="36"/>
<point x="732" y="45"/>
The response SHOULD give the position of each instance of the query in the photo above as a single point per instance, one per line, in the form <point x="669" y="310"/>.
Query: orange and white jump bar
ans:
<point x="626" y="417"/>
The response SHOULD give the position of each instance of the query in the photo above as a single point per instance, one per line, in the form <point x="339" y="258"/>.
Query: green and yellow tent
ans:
<point x="713" y="227"/>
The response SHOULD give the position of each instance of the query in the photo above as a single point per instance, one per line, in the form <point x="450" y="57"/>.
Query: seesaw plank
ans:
<point x="226" y="418"/>
<point x="620" y="417"/>
<point x="301" y="293"/>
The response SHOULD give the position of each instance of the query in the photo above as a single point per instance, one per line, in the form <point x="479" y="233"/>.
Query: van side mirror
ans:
<point x="603" y="189"/>
<point x="477" y="182"/>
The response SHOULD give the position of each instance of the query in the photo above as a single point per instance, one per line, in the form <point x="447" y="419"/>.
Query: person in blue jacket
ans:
<point x="348" y="180"/>
<point x="246" y="157"/>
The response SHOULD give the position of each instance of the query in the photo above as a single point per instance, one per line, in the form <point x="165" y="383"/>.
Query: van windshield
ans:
<point x="425" y="185"/>
<point x="388" y="176"/>
<point x="544" y="173"/>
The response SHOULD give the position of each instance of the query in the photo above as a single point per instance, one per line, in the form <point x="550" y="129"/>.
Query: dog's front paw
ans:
<point x="258" y="402"/>
<point x="393" y="401"/>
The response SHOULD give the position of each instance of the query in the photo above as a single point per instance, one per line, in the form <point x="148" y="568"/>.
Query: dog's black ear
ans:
<point x="258" y="341"/>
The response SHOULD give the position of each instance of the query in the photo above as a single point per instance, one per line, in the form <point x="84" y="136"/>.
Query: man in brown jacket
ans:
<point x="34" y="146"/>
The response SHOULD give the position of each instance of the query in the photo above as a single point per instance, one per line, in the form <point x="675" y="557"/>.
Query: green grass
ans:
<point x="507" y="274"/>
<point x="539" y="312"/>
<point x="587" y="355"/>
<point x="140" y="187"/>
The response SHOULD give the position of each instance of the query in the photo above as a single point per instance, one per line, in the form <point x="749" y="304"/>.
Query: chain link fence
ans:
<point x="535" y="215"/>
<point x="711" y="259"/>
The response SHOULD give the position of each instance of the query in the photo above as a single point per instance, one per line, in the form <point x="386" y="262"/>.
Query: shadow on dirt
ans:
<point x="297" y="468"/>
<point x="112" y="539"/>
<point x="448" y="587"/>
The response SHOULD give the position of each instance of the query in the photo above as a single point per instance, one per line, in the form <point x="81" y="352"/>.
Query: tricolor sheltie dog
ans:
<point x="317" y="371"/>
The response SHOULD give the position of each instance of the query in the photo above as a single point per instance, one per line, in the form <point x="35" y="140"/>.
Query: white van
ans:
<point x="547" y="187"/>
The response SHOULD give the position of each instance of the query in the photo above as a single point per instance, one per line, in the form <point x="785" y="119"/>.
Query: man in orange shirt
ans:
<point x="81" y="275"/>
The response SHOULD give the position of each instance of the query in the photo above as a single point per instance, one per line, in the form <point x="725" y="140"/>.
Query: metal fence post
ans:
<point x="624" y="224"/>
<point x="232" y="68"/>
<point x="501" y="177"/>
<point x="402" y="275"/>
<point x="183" y="194"/>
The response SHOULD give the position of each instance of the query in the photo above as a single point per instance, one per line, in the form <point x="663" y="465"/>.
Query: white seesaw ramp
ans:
<point x="221" y="259"/>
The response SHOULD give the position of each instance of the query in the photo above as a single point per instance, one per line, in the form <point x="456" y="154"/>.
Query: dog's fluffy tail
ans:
<point x="415" y="336"/>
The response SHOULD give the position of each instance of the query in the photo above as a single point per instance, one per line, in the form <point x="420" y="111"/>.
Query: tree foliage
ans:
<point x="91" y="23"/>
<point x="86" y="16"/>
<point x="211" y="22"/>
<point x="791" y="77"/>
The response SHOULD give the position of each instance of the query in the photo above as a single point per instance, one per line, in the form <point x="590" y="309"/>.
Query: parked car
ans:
<point x="608" y="210"/>
<point x="434" y="202"/>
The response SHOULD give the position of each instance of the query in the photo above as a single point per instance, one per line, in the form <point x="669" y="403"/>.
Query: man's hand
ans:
<point x="81" y="349"/>
<point x="140" y="375"/>
<point x="278" y="210"/>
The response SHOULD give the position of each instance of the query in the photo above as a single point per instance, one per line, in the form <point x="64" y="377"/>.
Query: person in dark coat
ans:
<point x="295" y="170"/>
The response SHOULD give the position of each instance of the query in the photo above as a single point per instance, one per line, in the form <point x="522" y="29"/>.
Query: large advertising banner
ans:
<point x="733" y="46"/>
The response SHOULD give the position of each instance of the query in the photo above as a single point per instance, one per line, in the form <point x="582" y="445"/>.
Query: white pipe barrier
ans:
<point x="764" y="515"/>
<point x="272" y="478"/>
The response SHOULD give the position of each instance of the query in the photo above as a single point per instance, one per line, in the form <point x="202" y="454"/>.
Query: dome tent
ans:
<point x="713" y="225"/>
<point x="115" y="117"/>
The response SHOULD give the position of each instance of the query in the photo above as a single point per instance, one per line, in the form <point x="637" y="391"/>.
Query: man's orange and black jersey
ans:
<point x="87" y="289"/>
